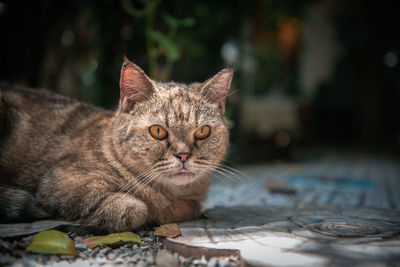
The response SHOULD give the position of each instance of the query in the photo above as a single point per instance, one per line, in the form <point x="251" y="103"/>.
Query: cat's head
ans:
<point x="171" y="132"/>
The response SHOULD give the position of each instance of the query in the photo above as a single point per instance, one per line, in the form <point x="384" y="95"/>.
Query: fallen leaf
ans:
<point x="52" y="242"/>
<point x="110" y="239"/>
<point x="280" y="187"/>
<point x="168" y="230"/>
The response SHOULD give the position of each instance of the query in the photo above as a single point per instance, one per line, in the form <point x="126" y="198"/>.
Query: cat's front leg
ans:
<point x="92" y="201"/>
<point x="180" y="210"/>
<point x="118" y="212"/>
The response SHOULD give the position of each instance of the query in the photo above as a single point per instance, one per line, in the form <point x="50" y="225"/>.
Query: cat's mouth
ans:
<point x="184" y="171"/>
<point x="183" y="176"/>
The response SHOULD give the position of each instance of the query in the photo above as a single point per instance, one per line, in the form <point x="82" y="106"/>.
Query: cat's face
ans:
<point x="172" y="133"/>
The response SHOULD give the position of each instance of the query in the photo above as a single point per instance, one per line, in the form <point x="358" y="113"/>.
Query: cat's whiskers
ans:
<point x="136" y="179"/>
<point x="154" y="171"/>
<point x="231" y="168"/>
<point x="237" y="172"/>
<point x="143" y="185"/>
<point x="132" y="181"/>
<point x="230" y="174"/>
<point x="226" y="171"/>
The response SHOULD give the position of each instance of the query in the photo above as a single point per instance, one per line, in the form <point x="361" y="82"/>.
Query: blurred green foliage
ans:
<point x="159" y="43"/>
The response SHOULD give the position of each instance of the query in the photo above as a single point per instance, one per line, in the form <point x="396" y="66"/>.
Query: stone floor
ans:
<point x="338" y="210"/>
<point x="335" y="210"/>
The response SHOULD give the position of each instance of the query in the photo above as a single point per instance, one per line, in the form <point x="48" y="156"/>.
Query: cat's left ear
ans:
<point x="134" y="84"/>
<point x="216" y="88"/>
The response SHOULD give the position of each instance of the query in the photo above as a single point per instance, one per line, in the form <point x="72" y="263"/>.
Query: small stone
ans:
<point x="213" y="262"/>
<point x="67" y="257"/>
<point x="27" y="263"/>
<point x="110" y="256"/>
<point x="104" y="251"/>
<point x="6" y="260"/>
<point x="18" y="264"/>
<point x="54" y="258"/>
<point x="132" y="260"/>
<point x="81" y="247"/>
<point x="201" y="261"/>
<point x="72" y="235"/>
<point x="15" y="244"/>
<point x="224" y="264"/>
<point x="82" y="255"/>
<point x="101" y="261"/>
<point x="165" y="259"/>
<point x="187" y="261"/>
<point x="142" y="258"/>
<point x="150" y="260"/>
<point x="118" y="260"/>
<point x="141" y="264"/>
<point x="95" y="251"/>
<point x="78" y="239"/>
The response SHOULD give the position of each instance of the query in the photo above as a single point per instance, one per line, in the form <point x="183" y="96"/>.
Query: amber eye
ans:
<point x="158" y="132"/>
<point x="203" y="132"/>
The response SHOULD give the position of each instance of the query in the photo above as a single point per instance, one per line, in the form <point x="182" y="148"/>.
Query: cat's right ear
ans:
<point x="134" y="84"/>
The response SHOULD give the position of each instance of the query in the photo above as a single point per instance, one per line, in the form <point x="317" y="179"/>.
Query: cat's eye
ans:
<point x="202" y="133"/>
<point x="158" y="132"/>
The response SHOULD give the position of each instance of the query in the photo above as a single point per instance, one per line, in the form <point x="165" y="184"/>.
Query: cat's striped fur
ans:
<point x="66" y="159"/>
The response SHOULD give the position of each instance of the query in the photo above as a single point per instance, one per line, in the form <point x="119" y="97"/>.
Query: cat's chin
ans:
<point x="182" y="177"/>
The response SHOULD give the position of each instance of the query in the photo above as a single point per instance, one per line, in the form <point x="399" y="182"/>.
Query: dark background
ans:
<point x="309" y="75"/>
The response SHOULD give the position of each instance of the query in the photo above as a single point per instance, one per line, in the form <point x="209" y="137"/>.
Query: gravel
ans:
<point x="149" y="253"/>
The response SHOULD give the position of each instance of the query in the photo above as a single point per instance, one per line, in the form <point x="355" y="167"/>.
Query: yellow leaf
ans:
<point x="110" y="239"/>
<point x="52" y="242"/>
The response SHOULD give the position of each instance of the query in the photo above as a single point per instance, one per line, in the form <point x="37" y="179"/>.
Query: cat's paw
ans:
<point x="119" y="212"/>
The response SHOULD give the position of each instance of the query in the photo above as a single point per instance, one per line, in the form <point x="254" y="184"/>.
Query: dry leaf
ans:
<point x="280" y="187"/>
<point x="168" y="230"/>
<point x="110" y="239"/>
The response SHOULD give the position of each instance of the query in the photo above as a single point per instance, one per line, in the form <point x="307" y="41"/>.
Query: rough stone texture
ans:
<point x="338" y="179"/>
<point x="294" y="237"/>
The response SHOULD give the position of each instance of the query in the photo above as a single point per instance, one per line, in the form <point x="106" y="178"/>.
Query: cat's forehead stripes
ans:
<point x="178" y="106"/>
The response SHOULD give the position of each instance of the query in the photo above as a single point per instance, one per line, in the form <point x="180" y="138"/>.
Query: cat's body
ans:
<point x="148" y="162"/>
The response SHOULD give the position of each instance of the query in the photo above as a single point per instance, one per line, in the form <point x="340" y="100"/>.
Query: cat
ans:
<point x="149" y="162"/>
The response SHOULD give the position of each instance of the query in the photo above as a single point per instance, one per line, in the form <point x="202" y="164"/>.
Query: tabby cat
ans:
<point x="149" y="162"/>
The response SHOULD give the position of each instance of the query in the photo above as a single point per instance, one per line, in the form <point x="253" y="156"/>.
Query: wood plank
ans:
<point x="296" y="237"/>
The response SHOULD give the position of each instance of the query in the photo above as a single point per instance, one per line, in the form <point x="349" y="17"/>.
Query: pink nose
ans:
<point x="183" y="156"/>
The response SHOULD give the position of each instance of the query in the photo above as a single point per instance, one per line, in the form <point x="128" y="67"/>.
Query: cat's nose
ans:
<point x="183" y="156"/>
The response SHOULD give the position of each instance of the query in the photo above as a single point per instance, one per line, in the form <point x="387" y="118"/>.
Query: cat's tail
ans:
<point x="18" y="205"/>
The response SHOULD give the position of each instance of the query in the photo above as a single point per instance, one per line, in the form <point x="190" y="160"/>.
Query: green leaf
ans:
<point x="166" y="43"/>
<point x="175" y="22"/>
<point x="187" y="22"/>
<point x="52" y="242"/>
<point x="110" y="239"/>
<point x="168" y="230"/>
